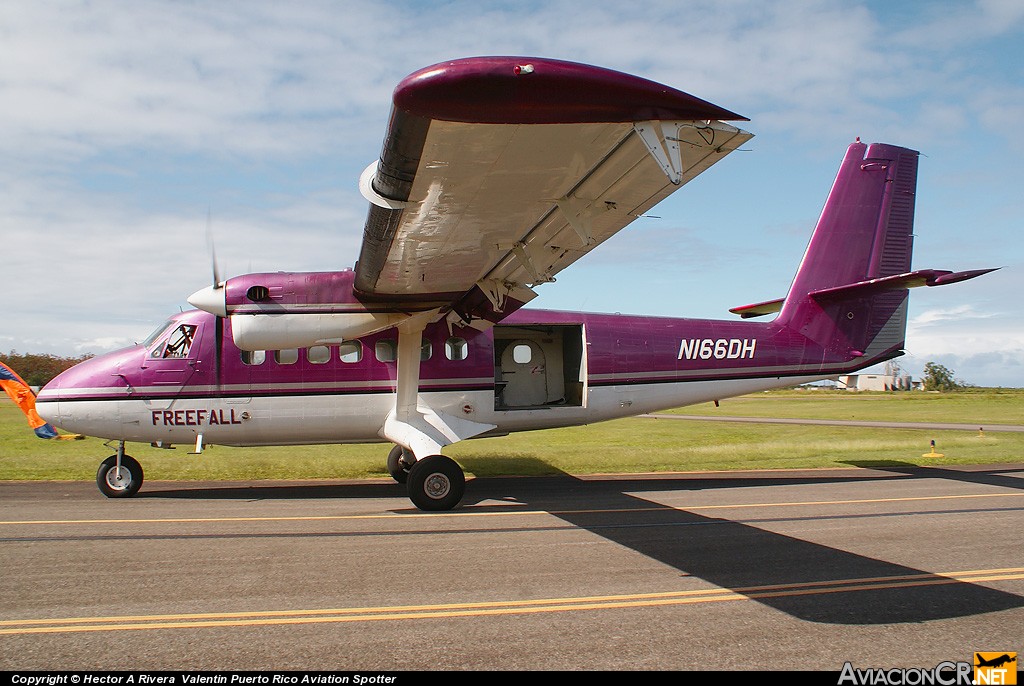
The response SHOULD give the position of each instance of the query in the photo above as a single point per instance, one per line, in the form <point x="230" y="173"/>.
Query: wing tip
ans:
<point x="536" y="90"/>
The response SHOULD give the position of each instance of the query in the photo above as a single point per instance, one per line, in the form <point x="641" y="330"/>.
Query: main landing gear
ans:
<point x="436" y="483"/>
<point x="400" y="461"/>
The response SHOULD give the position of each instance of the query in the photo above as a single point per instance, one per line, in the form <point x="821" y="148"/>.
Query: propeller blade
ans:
<point x="212" y="248"/>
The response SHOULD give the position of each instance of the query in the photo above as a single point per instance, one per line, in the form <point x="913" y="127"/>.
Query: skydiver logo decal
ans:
<point x="196" y="417"/>
<point x="719" y="349"/>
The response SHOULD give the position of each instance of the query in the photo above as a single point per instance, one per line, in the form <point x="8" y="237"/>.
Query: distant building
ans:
<point x="875" y="382"/>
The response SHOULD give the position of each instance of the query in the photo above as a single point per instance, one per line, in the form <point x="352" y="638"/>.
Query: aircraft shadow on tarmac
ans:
<point x="729" y="554"/>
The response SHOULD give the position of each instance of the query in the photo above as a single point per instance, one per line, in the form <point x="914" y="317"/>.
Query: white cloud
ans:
<point x="954" y="314"/>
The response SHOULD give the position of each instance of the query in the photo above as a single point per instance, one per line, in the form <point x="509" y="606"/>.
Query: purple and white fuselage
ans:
<point x="495" y="174"/>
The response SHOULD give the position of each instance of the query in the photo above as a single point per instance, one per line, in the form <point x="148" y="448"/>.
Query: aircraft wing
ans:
<point x="498" y="172"/>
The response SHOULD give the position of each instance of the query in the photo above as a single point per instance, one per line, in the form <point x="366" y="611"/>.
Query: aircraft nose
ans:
<point x="48" y="410"/>
<point x="210" y="299"/>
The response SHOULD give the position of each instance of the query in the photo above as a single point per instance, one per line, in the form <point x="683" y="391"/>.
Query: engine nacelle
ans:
<point x="282" y="331"/>
<point x="276" y="311"/>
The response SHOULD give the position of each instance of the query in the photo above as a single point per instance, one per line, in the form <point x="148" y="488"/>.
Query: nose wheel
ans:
<point x="119" y="482"/>
<point x="436" y="483"/>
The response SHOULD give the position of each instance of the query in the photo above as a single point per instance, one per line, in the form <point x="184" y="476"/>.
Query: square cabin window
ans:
<point x="456" y="349"/>
<point x="253" y="358"/>
<point x="521" y="354"/>
<point x="290" y="356"/>
<point x="350" y="352"/>
<point x="386" y="350"/>
<point x="318" y="354"/>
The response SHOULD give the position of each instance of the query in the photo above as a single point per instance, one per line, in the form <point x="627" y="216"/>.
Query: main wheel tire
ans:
<point x="400" y="461"/>
<point x="436" y="483"/>
<point x="123" y="485"/>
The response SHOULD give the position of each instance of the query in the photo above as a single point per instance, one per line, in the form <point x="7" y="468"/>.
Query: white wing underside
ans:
<point x="508" y="206"/>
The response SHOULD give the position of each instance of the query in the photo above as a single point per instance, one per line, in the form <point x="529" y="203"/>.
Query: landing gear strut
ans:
<point x="436" y="483"/>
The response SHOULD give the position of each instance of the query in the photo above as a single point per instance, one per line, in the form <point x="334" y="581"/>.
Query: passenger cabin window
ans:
<point x="456" y="349"/>
<point x="254" y="358"/>
<point x="178" y="344"/>
<point x="318" y="354"/>
<point x="426" y="350"/>
<point x="350" y="352"/>
<point x="290" y="356"/>
<point x="521" y="354"/>
<point x="386" y="350"/>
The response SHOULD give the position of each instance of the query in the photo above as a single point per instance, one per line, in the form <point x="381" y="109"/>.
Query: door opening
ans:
<point x="539" y="367"/>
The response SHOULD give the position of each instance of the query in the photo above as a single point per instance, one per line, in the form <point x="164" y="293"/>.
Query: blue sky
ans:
<point x="125" y="125"/>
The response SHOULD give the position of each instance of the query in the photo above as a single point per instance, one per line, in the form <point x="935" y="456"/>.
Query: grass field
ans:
<point x="623" y="446"/>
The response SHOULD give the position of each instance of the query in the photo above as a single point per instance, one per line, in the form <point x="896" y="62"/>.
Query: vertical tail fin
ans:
<point x="865" y="232"/>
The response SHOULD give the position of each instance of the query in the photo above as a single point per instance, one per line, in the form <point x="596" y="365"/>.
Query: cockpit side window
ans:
<point x="178" y="344"/>
<point x="157" y="333"/>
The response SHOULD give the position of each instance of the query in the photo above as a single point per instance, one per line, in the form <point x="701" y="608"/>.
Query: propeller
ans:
<point x="211" y="299"/>
<point x="218" y="285"/>
<point x="212" y="248"/>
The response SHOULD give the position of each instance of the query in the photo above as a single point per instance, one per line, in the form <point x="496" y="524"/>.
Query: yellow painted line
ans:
<point x="205" y="520"/>
<point x="862" y="501"/>
<point x="503" y="513"/>
<point x="494" y="608"/>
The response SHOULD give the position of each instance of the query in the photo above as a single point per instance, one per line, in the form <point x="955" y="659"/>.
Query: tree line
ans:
<point x="939" y="378"/>
<point x="38" y="369"/>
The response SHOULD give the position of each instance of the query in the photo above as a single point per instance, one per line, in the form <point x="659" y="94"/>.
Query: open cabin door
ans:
<point x="539" y="367"/>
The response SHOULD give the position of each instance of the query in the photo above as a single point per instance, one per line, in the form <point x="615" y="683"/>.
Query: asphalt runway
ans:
<point x="779" y="570"/>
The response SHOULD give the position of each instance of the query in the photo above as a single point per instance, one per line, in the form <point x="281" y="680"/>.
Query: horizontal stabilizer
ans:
<point x="759" y="309"/>
<point x="921" y="277"/>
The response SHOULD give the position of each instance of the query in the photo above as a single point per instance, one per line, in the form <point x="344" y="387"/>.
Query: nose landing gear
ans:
<point x="120" y="475"/>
